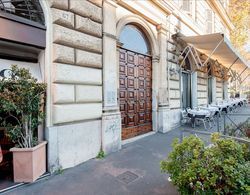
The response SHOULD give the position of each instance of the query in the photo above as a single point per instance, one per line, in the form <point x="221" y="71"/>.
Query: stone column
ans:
<point x="225" y="89"/>
<point x="163" y="103"/>
<point x="111" y="118"/>
<point x="194" y="97"/>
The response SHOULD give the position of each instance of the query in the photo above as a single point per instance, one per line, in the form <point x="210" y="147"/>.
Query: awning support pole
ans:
<point x="189" y="50"/>
<point x="245" y="78"/>
<point x="243" y="71"/>
<point x="213" y="52"/>
<point x="233" y="63"/>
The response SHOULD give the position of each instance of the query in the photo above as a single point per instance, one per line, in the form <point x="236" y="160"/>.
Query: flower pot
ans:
<point x="29" y="163"/>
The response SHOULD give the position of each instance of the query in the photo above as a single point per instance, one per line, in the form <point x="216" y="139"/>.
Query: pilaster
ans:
<point x="163" y="123"/>
<point x="225" y="90"/>
<point x="111" y="118"/>
<point x="194" y="97"/>
<point x="213" y="89"/>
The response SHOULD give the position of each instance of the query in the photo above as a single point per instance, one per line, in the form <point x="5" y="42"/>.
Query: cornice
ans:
<point x="133" y="10"/>
<point x="219" y="9"/>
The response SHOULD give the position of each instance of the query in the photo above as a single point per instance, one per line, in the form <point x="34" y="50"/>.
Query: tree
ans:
<point x="21" y="99"/>
<point x="239" y="12"/>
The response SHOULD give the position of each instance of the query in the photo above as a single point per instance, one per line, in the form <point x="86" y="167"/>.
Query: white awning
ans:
<point x="219" y="48"/>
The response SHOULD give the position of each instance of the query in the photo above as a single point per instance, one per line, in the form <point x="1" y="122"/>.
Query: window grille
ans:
<point x="28" y="9"/>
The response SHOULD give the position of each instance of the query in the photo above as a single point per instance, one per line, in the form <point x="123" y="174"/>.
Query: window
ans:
<point x="28" y="9"/>
<point x="187" y="6"/>
<point x="209" y="22"/>
<point x="132" y="38"/>
<point x="186" y="90"/>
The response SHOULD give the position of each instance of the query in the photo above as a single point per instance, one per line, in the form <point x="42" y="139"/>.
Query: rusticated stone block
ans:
<point x="64" y="93"/>
<point x="63" y="18"/>
<point x="88" y="93"/>
<point x="63" y="54"/>
<point x="85" y="58"/>
<point x="65" y="73"/>
<point x="88" y="26"/>
<point x="86" y="9"/>
<point x="61" y="4"/>
<point x="96" y="2"/>
<point x="76" y="112"/>
<point x="76" y="39"/>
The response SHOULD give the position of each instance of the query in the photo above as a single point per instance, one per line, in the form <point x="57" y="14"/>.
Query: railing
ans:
<point x="234" y="125"/>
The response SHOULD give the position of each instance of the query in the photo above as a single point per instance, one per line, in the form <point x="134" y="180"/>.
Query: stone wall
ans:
<point x="219" y="89"/>
<point x="77" y="60"/>
<point x="202" y="93"/>
<point x="76" y="82"/>
<point x="174" y="85"/>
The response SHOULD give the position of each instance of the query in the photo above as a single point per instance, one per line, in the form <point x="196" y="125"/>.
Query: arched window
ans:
<point x="132" y="38"/>
<point x="28" y="9"/>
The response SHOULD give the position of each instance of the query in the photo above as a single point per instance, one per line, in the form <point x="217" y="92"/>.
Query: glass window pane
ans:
<point x="133" y="39"/>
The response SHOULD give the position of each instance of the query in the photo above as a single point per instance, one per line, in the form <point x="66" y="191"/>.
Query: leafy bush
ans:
<point x="221" y="168"/>
<point x="21" y="100"/>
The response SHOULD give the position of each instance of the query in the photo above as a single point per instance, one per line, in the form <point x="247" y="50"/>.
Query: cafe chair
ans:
<point x="204" y="119"/>
<point x="185" y="118"/>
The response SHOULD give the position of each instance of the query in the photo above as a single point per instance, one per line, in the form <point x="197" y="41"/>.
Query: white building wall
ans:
<point x="74" y="133"/>
<point x="202" y="89"/>
<point x="219" y="89"/>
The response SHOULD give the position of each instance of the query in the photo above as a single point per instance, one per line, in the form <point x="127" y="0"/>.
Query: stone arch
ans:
<point x="142" y="24"/>
<point x="155" y="53"/>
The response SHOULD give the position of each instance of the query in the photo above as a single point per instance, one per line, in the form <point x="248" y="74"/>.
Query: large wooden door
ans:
<point x="135" y="93"/>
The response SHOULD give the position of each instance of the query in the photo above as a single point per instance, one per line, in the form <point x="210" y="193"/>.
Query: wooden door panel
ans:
<point x="131" y="57"/>
<point x="131" y="107"/>
<point x="141" y="117"/>
<point x="141" y="106"/>
<point x="122" y="68"/>
<point x="131" y="82"/>
<point x="141" y="71"/>
<point x="131" y="71"/>
<point x="123" y="82"/>
<point x="122" y="56"/>
<point x="124" y="120"/>
<point x="131" y="120"/>
<point x="135" y="94"/>
<point x="141" y="94"/>
<point x="123" y="95"/>
<point x="141" y="60"/>
<point x="131" y="95"/>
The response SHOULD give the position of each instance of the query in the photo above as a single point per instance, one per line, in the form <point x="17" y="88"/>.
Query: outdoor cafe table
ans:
<point x="221" y="107"/>
<point x="216" y="110"/>
<point x="193" y="114"/>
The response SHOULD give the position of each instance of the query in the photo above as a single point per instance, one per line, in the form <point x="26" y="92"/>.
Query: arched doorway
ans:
<point x="135" y="82"/>
<point x="186" y="90"/>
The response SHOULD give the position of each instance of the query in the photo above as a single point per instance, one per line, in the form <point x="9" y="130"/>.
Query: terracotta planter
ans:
<point x="29" y="163"/>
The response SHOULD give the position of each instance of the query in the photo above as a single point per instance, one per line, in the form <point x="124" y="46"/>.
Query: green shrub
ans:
<point x="21" y="101"/>
<point x="221" y="168"/>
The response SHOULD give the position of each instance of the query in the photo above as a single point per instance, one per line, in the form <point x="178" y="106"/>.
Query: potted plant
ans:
<point x="221" y="168"/>
<point x="22" y="99"/>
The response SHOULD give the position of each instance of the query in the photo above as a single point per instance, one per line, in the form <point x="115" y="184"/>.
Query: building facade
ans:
<point x="112" y="69"/>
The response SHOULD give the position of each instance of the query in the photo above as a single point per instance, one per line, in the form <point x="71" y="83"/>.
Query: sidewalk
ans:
<point x="140" y="161"/>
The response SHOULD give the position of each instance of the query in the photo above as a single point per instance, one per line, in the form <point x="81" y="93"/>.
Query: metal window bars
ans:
<point x="28" y="9"/>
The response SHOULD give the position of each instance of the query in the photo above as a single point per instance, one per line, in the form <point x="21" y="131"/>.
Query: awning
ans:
<point x="219" y="48"/>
